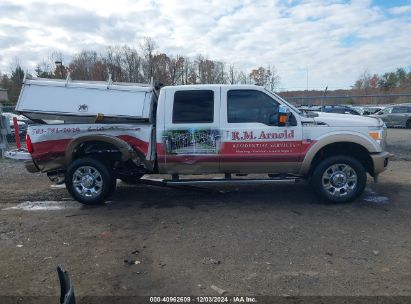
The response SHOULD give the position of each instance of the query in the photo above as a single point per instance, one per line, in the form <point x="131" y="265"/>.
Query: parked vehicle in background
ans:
<point x="310" y="108"/>
<point x="369" y="110"/>
<point x="398" y="116"/>
<point x="123" y="131"/>
<point x="337" y="109"/>
<point x="22" y="122"/>
<point x="361" y="110"/>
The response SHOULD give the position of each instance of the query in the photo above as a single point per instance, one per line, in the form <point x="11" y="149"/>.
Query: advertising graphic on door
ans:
<point x="191" y="141"/>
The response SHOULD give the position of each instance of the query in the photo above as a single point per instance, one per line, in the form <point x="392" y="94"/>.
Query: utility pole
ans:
<point x="3" y="132"/>
<point x="306" y="70"/>
<point x="322" y="99"/>
<point x="59" y="64"/>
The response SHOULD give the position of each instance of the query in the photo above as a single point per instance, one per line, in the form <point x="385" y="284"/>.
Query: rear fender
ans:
<point x="125" y="149"/>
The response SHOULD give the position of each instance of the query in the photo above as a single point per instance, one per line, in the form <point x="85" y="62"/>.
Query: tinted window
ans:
<point x="251" y="106"/>
<point x="196" y="106"/>
<point x="335" y="110"/>
<point x="385" y="111"/>
<point x="340" y="110"/>
<point x="400" y="110"/>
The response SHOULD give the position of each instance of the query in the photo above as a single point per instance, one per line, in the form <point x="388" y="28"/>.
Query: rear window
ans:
<point x="195" y="106"/>
<point x="401" y="109"/>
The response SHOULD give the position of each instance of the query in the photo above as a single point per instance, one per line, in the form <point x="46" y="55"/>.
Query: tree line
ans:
<point x="394" y="81"/>
<point x="140" y="65"/>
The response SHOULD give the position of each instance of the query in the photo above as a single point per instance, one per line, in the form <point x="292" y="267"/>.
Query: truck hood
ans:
<point x="347" y="120"/>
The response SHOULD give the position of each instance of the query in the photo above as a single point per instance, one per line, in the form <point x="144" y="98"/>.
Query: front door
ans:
<point x="252" y="140"/>
<point x="191" y="136"/>
<point x="385" y="114"/>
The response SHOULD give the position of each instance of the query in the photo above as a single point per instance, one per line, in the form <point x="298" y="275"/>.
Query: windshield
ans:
<point x="286" y="102"/>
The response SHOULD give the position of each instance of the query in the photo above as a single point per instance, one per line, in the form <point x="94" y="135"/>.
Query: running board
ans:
<point x="219" y="181"/>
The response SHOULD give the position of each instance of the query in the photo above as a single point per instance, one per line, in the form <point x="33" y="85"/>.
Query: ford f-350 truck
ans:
<point x="89" y="134"/>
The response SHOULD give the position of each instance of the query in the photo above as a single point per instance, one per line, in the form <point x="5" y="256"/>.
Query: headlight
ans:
<point x="378" y="134"/>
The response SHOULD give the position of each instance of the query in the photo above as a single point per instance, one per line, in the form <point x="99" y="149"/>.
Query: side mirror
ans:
<point x="283" y="115"/>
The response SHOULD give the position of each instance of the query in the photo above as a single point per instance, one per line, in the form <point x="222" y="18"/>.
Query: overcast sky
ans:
<point x="332" y="42"/>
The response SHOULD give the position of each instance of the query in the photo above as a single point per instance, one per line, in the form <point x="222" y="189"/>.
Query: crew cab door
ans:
<point x="399" y="115"/>
<point x="252" y="140"/>
<point x="191" y="130"/>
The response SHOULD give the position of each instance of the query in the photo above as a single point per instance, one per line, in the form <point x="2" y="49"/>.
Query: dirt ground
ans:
<point x="249" y="240"/>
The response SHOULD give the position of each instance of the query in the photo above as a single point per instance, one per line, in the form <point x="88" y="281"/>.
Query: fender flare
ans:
<point x="332" y="138"/>
<point x="125" y="149"/>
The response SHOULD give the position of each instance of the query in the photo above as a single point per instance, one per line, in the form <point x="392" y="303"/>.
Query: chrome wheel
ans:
<point x="339" y="180"/>
<point x="87" y="181"/>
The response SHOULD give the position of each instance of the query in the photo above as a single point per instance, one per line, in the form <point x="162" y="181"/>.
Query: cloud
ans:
<point x="405" y="9"/>
<point x="331" y="41"/>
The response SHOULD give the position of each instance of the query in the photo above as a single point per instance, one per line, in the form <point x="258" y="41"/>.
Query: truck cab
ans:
<point x="226" y="129"/>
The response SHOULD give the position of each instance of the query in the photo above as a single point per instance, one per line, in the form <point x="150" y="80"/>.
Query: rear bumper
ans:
<point x="31" y="166"/>
<point x="380" y="161"/>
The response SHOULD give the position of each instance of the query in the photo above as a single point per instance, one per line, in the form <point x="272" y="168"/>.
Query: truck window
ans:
<point x="400" y="110"/>
<point x="251" y="106"/>
<point x="193" y="106"/>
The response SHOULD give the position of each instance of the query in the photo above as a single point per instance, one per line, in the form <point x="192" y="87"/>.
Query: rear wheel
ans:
<point x="408" y="124"/>
<point x="90" y="181"/>
<point x="339" y="179"/>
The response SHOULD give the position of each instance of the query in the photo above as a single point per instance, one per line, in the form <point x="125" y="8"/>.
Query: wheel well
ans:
<point x="344" y="148"/>
<point x="101" y="149"/>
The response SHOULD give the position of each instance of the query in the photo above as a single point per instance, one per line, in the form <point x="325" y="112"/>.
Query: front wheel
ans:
<point x="90" y="181"/>
<point x="339" y="179"/>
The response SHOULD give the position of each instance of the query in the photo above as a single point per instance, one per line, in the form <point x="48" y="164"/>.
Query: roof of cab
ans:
<point x="205" y="86"/>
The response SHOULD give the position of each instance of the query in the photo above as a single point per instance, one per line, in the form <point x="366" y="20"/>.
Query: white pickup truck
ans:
<point x="89" y="134"/>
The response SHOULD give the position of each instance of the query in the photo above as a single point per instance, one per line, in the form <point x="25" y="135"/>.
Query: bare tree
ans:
<point x="148" y="46"/>
<point x="133" y="64"/>
<point x="176" y="69"/>
<point x="82" y="64"/>
<point x="266" y="77"/>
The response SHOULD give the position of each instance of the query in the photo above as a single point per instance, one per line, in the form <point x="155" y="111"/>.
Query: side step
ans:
<point x="230" y="181"/>
<point x="218" y="181"/>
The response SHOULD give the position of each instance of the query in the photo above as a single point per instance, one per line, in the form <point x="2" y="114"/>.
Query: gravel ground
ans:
<point x="250" y="240"/>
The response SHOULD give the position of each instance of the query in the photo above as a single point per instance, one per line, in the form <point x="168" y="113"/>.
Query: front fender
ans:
<point x="336" y="137"/>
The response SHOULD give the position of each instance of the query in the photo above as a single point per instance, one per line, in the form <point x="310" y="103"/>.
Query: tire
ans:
<point x="90" y="181"/>
<point x="408" y="124"/>
<point x="132" y="179"/>
<point x="339" y="179"/>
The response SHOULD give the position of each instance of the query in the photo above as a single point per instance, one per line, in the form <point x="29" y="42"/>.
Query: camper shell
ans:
<point x="67" y="101"/>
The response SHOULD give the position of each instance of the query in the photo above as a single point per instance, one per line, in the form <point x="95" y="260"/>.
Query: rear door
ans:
<point x="191" y="135"/>
<point x="252" y="140"/>
<point x="398" y="116"/>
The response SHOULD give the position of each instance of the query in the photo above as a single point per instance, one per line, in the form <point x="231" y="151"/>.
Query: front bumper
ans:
<point x="380" y="161"/>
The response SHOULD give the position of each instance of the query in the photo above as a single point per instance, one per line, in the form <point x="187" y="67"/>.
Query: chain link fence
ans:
<point x="9" y="135"/>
